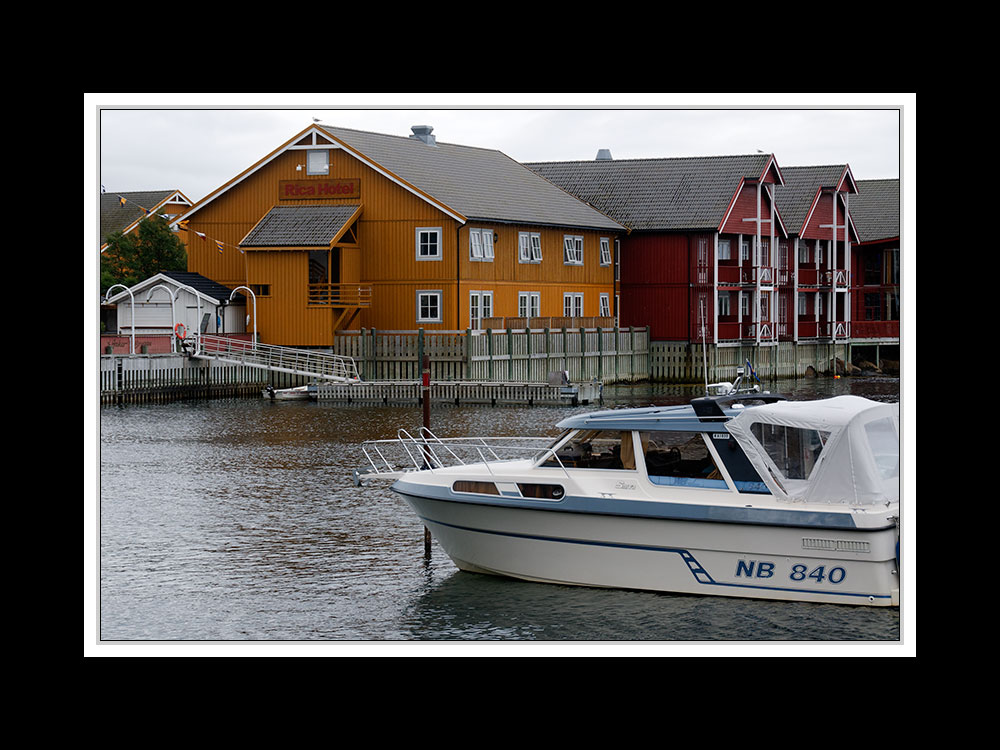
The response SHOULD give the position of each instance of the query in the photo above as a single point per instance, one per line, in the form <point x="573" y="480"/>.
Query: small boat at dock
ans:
<point x="299" y="393"/>
<point x="743" y="494"/>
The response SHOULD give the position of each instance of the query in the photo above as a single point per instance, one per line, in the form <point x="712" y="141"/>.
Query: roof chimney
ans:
<point x="423" y="133"/>
<point x="604" y="155"/>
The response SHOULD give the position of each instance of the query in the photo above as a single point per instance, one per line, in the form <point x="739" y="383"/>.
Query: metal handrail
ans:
<point x="316" y="364"/>
<point x="425" y="452"/>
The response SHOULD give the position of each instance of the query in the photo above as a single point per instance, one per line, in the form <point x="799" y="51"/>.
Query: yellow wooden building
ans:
<point x="341" y="229"/>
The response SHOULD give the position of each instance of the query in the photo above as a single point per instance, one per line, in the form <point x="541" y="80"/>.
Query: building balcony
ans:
<point x="748" y="275"/>
<point x="746" y="331"/>
<point x="838" y="279"/>
<point x="340" y="295"/>
<point x="824" y="330"/>
<point x="875" y="329"/>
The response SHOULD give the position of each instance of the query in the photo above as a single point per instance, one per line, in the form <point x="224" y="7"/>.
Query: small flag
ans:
<point x="200" y="234"/>
<point x="121" y="201"/>
<point x="219" y="245"/>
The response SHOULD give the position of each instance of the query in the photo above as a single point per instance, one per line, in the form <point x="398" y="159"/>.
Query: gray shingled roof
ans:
<point x="682" y="193"/>
<point x="796" y="196"/>
<point x="875" y="209"/>
<point x="479" y="183"/>
<point x="115" y="217"/>
<point x="299" y="226"/>
<point x="204" y="285"/>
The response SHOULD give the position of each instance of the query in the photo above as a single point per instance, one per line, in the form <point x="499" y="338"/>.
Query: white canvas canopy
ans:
<point x="839" y="450"/>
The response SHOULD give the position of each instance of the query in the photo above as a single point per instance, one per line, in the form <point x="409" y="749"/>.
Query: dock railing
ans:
<point x="316" y="364"/>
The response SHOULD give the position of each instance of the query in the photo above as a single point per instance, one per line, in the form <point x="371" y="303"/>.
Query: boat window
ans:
<point x="596" y="449"/>
<point x="680" y="459"/>
<point x="480" y="488"/>
<point x="542" y="491"/>
<point x="884" y="443"/>
<point x="794" y="450"/>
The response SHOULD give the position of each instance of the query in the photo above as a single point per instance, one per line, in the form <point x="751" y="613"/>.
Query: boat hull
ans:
<point x="789" y="563"/>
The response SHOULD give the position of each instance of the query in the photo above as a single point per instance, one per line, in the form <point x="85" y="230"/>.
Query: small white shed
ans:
<point x="178" y="297"/>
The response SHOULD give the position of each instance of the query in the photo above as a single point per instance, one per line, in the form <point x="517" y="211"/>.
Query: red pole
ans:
<point x="425" y="397"/>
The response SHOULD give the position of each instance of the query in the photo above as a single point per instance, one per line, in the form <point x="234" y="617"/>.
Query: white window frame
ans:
<point x="529" y="304"/>
<point x="313" y="165"/>
<point x="745" y="305"/>
<point x="744" y="250"/>
<point x="725" y="250"/>
<point x="481" y="245"/>
<point x="572" y="250"/>
<point x="724" y="303"/>
<point x="605" y="306"/>
<point x="605" y="251"/>
<point x="803" y="251"/>
<point x="480" y="307"/>
<point x="529" y="247"/>
<point x="440" y="305"/>
<point x="439" y="254"/>
<point x="573" y="305"/>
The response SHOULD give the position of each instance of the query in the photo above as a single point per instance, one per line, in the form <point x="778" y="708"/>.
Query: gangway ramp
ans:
<point x="314" y="364"/>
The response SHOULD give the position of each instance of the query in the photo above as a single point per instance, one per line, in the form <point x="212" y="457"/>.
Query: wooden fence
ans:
<point x="509" y="355"/>
<point x="169" y="377"/>
<point x="681" y="362"/>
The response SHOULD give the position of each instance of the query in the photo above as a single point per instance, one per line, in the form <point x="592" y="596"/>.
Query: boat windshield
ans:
<point x="680" y="459"/>
<point x="794" y="450"/>
<point x="595" y="449"/>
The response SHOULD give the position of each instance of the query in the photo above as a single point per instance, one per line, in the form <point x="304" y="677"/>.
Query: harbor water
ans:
<point x="237" y="522"/>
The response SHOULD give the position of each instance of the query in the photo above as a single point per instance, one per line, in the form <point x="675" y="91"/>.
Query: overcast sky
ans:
<point x="196" y="142"/>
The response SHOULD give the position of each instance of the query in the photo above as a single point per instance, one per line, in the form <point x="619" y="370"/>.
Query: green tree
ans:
<point x="152" y="248"/>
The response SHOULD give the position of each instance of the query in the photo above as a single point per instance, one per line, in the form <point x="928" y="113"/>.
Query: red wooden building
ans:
<point x="875" y="263"/>
<point x="701" y="251"/>
<point x="814" y="295"/>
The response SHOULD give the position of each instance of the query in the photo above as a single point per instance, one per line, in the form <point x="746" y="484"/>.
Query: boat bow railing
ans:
<point x="425" y="451"/>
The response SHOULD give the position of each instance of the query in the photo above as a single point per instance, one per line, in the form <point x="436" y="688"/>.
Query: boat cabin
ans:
<point x="795" y="451"/>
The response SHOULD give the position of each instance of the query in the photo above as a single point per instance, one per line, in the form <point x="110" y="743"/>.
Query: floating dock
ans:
<point x="459" y="392"/>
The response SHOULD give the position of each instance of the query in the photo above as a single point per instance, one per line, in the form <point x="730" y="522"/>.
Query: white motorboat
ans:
<point x="299" y="393"/>
<point x="783" y="500"/>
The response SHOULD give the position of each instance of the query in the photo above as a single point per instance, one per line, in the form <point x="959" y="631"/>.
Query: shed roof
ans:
<point x="301" y="226"/>
<point x="210" y="290"/>
<point x="682" y="193"/>
<point x="875" y="209"/>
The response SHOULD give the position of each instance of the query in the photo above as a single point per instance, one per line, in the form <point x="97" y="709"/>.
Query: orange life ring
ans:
<point x="180" y="331"/>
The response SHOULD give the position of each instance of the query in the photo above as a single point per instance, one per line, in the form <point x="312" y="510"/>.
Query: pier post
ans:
<point x="425" y="397"/>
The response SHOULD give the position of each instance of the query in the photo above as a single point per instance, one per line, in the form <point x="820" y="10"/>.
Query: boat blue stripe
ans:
<point x="660" y="509"/>
<point x="700" y="574"/>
